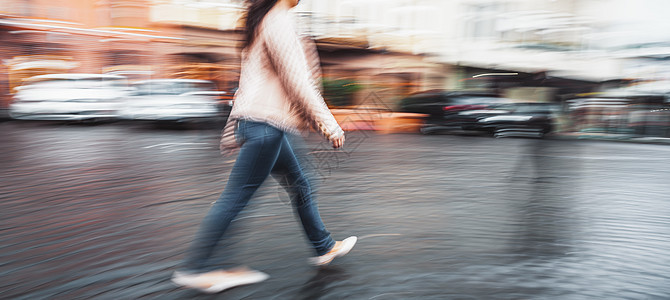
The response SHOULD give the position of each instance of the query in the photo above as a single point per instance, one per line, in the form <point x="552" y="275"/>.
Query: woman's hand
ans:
<point x="338" y="142"/>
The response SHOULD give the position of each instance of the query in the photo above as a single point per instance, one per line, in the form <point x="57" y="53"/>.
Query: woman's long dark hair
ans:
<point x="255" y="14"/>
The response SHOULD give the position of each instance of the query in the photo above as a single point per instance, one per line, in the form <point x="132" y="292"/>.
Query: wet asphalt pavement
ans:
<point x="107" y="211"/>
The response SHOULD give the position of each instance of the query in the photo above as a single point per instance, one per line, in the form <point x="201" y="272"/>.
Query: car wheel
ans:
<point x="498" y="133"/>
<point x="426" y="130"/>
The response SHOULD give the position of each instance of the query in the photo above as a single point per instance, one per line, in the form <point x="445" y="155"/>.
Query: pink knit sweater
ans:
<point x="279" y="83"/>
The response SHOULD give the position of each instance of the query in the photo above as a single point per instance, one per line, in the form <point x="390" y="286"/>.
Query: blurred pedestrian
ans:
<point x="278" y="96"/>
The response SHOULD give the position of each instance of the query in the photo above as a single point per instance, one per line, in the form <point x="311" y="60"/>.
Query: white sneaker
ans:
<point x="217" y="281"/>
<point x="341" y="248"/>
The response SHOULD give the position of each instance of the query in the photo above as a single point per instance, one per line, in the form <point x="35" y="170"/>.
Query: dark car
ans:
<point x="623" y="111"/>
<point x="519" y="119"/>
<point x="445" y="109"/>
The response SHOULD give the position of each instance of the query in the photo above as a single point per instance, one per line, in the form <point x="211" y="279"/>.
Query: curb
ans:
<point x="613" y="138"/>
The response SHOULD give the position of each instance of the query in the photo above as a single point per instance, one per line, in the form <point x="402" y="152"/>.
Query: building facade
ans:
<point x="391" y="47"/>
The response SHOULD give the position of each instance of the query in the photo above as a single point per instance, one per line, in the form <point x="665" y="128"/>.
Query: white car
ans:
<point x="172" y="100"/>
<point x="69" y="97"/>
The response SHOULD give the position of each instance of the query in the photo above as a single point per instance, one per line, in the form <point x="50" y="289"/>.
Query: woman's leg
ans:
<point x="290" y="174"/>
<point x="262" y="144"/>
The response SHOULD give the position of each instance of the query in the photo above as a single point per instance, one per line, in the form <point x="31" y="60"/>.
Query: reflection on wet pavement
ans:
<point x="106" y="212"/>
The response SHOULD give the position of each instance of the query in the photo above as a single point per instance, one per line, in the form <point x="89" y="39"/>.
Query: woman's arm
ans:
<point x="288" y="58"/>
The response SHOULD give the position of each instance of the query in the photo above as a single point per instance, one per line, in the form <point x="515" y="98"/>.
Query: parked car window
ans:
<point x="533" y="109"/>
<point x="171" y="88"/>
<point x="77" y="83"/>
<point x="153" y="88"/>
<point x="479" y="100"/>
<point x="202" y="86"/>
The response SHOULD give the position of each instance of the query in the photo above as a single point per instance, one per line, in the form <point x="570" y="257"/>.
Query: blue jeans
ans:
<point x="265" y="150"/>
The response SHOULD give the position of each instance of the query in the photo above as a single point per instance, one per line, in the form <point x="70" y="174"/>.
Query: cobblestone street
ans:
<point x="107" y="212"/>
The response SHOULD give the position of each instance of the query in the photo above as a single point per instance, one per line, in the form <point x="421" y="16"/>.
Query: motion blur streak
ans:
<point x="496" y="149"/>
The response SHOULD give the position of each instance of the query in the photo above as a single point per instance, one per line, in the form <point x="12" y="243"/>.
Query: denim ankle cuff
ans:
<point x="322" y="247"/>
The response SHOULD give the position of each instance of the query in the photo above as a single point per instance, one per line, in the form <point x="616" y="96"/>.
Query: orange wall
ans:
<point x="89" y="13"/>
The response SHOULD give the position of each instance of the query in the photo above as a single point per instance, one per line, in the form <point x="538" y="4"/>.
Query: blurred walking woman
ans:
<point x="278" y="96"/>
